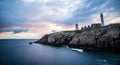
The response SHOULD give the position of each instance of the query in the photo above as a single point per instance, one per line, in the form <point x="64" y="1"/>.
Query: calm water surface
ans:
<point x="19" y="52"/>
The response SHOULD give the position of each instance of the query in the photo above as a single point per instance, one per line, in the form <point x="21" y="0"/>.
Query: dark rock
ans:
<point x="30" y="42"/>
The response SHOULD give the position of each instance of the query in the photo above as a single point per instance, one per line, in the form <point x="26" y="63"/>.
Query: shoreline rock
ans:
<point x="103" y="38"/>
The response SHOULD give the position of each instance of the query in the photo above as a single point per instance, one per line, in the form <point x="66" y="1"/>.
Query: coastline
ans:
<point x="104" y="38"/>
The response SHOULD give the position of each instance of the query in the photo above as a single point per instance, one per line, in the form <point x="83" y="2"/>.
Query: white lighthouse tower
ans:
<point x="102" y="19"/>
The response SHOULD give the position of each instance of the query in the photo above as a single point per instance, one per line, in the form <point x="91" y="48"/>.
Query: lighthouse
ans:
<point x="76" y="27"/>
<point x="102" y="19"/>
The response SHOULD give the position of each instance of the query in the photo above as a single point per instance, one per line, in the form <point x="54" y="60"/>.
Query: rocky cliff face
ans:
<point x="104" y="37"/>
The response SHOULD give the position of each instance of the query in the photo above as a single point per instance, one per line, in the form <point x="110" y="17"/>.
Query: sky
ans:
<point x="31" y="19"/>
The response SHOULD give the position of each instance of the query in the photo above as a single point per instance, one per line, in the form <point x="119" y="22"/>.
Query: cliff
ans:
<point x="107" y="37"/>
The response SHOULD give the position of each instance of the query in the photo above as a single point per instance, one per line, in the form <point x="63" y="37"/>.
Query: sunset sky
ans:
<point x="31" y="19"/>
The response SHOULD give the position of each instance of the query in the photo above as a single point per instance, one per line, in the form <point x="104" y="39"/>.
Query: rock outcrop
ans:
<point x="107" y="37"/>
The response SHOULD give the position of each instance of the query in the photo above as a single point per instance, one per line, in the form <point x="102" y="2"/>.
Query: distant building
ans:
<point x="76" y="27"/>
<point x="102" y="19"/>
<point x="98" y="25"/>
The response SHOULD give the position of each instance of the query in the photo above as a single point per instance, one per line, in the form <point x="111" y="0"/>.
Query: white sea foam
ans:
<point x="79" y="50"/>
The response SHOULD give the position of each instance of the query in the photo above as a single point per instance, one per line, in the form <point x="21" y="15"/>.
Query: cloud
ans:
<point x="56" y="11"/>
<point x="39" y="17"/>
<point x="14" y="30"/>
<point x="22" y="35"/>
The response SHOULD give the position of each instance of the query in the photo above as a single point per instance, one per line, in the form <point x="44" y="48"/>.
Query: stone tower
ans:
<point x="102" y="19"/>
<point x="76" y="27"/>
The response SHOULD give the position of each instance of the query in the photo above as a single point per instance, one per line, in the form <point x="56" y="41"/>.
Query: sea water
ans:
<point x="20" y="52"/>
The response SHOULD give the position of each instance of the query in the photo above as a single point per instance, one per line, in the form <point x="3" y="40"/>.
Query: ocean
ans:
<point x="20" y="52"/>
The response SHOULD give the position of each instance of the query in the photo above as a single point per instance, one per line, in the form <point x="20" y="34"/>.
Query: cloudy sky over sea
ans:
<point x="34" y="18"/>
